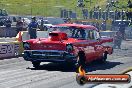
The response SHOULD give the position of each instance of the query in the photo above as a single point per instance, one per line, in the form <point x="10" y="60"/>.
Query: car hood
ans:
<point x="47" y="44"/>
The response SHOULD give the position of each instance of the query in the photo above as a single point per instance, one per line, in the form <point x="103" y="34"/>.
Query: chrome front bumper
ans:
<point x="48" y="56"/>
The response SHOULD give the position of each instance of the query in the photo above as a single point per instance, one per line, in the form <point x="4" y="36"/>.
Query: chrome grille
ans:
<point x="47" y="54"/>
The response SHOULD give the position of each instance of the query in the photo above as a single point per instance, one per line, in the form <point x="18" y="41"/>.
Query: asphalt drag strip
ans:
<point x="17" y="73"/>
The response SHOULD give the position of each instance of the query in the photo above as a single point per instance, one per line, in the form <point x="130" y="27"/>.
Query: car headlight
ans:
<point x="69" y="47"/>
<point x="26" y="45"/>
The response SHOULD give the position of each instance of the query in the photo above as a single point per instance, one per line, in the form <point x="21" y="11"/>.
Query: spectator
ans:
<point x="2" y="21"/>
<point x="103" y="26"/>
<point x="122" y="29"/>
<point x="4" y="12"/>
<point x="65" y="14"/>
<point x="107" y="14"/>
<point x="14" y="19"/>
<point x="97" y="7"/>
<point x="41" y="24"/>
<point x="19" y="25"/>
<point x="61" y="13"/>
<point x="70" y="14"/>
<point x="123" y="14"/>
<point x="104" y="15"/>
<point x="91" y="14"/>
<point x="45" y="28"/>
<point x="82" y="33"/>
<point x="8" y="27"/>
<point x="85" y="13"/>
<point x="113" y="25"/>
<point x="24" y="28"/>
<point x="118" y="40"/>
<point x="127" y="15"/>
<point x="118" y="15"/>
<point x="33" y="25"/>
<point x="95" y="15"/>
<point x="130" y="25"/>
<point x="97" y="25"/>
<point x="100" y="13"/>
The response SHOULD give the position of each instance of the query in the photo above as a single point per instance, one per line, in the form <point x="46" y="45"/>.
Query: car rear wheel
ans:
<point x="81" y="61"/>
<point x="36" y="64"/>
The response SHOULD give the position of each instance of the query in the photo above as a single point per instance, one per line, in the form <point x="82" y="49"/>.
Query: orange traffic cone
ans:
<point x="19" y="36"/>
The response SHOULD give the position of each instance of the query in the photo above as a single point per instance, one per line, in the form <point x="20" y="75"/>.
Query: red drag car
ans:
<point x="69" y="43"/>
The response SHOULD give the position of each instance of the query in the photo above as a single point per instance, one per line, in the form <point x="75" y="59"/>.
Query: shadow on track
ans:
<point x="97" y="66"/>
<point x="65" y="68"/>
<point x="55" y="67"/>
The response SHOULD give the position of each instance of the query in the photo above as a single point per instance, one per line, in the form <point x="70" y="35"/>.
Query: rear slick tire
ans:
<point x="104" y="58"/>
<point x="81" y="61"/>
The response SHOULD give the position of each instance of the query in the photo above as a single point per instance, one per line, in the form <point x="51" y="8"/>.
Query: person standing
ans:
<point x="32" y="28"/>
<point x="85" y="13"/>
<point x="8" y="27"/>
<point x="127" y="15"/>
<point x="122" y="29"/>
<point x="118" y="40"/>
<point x="25" y="25"/>
<point x="123" y="14"/>
<point x="42" y="24"/>
<point x="19" y="25"/>
<point x="116" y="15"/>
<point x="103" y="25"/>
<point x="100" y="13"/>
<point x="97" y="25"/>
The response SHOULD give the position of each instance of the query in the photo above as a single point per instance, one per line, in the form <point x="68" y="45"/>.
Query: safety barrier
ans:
<point x="15" y="48"/>
<point x="18" y="47"/>
<point x="9" y="49"/>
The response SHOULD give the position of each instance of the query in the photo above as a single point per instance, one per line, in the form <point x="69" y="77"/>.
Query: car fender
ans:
<point x="108" y="49"/>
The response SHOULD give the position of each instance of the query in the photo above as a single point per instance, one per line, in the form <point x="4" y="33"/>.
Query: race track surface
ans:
<point x="17" y="73"/>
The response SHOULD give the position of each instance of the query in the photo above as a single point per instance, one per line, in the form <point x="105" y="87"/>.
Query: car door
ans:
<point x="98" y="47"/>
<point x="90" y="48"/>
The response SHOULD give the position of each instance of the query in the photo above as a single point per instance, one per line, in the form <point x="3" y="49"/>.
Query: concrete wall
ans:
<point x="10" y="49"/>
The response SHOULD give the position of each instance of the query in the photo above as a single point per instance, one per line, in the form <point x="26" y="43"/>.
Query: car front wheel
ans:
<point x="36" y="64"/>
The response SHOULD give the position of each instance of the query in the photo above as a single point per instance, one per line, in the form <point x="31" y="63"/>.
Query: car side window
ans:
<point x="90" y="34"/>
<point x="96" y="35"/>
<point x="78" y="33"/>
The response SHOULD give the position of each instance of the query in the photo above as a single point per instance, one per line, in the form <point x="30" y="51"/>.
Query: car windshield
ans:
<point x="72" y="32"/>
